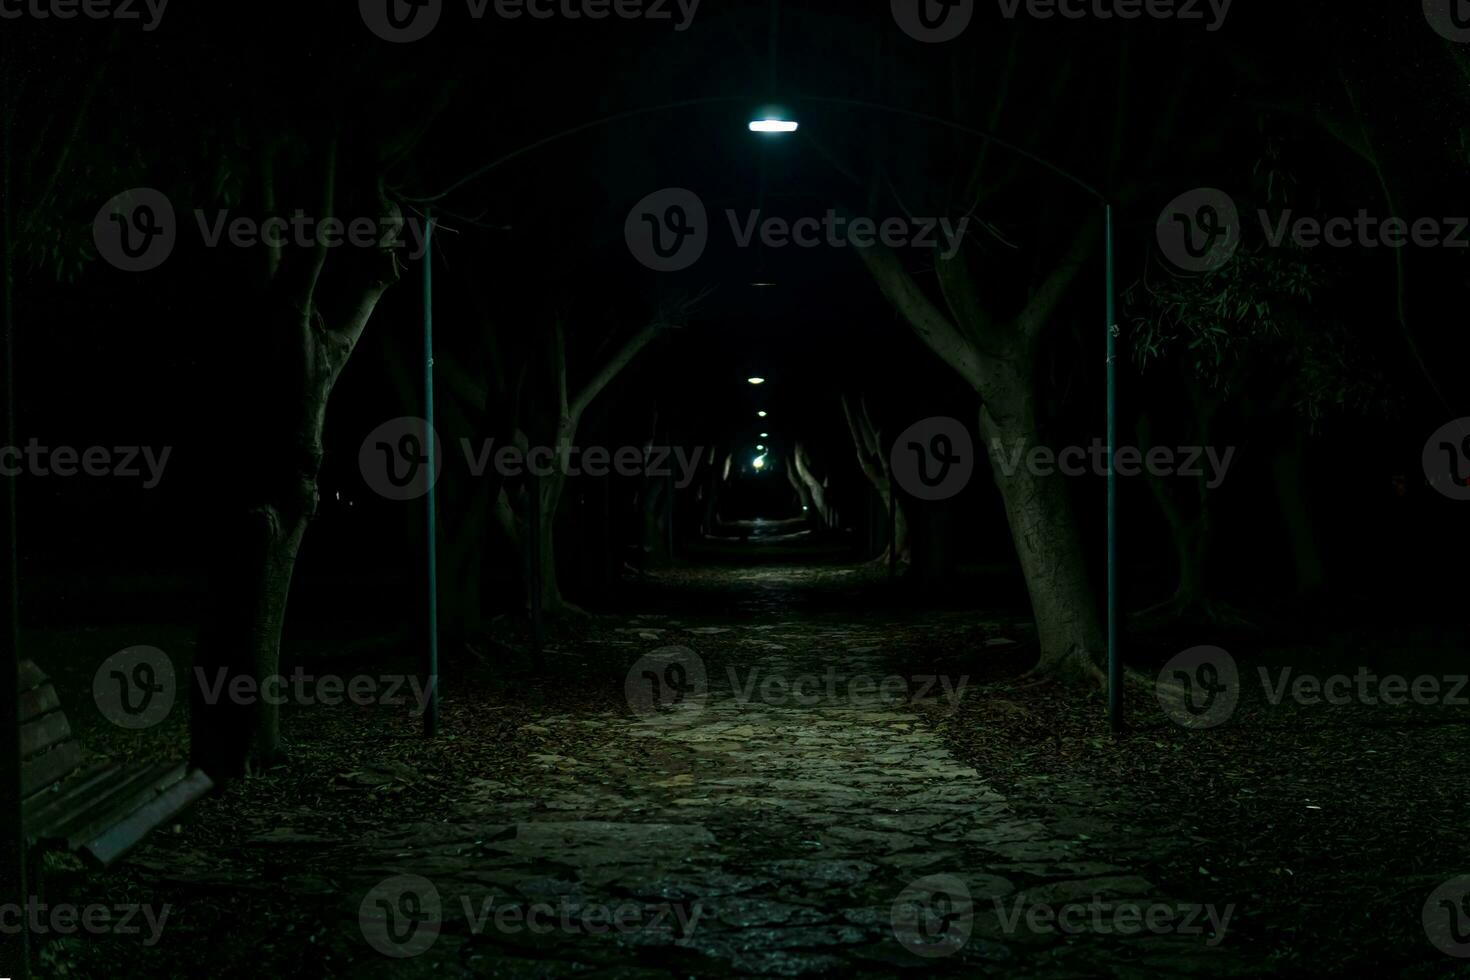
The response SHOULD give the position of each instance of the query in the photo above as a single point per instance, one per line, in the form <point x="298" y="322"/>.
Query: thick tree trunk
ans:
<point x="308" y="332"/>
<point x="246" y="643"/>
<point x="236" y="734"/>
<point x="1296" y="515"/>
<point x="1068" y="628"/>
<point x="552" y="601"/>
<point x="1002" y="372"/>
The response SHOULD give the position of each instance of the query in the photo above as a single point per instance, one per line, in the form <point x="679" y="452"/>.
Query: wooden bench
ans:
<point x="98" y="810"/>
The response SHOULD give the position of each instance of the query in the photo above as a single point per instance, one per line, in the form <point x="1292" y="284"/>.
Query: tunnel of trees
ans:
<point x="741" y="388"/>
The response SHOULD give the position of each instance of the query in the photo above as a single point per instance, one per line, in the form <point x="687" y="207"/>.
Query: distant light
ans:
<point x="760" y="448"/>
<point x="804" y="507"/>
<point x="761" y="414"/>
<point x="756" y="381"/>
<point x="763" y="284"/>
<point x="772" y="126"/>
<point x="759" y="462"/>
<point x="765" y="435"/>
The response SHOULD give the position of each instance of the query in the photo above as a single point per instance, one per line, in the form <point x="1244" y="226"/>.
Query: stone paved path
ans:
<point x="801" y="819"/>
<point x="767" y="804"/>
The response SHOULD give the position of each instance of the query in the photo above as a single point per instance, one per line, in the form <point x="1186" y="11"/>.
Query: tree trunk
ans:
<point x="1002" y="371"/>
<point x="309" y="332"/>
<point x="815" y="488"/>
<point x="875" y="466"/>
<point x="1039" y="512"/>
<point x="552" y="601"/>
<point x="245" y="643"/>
<point x="1192" y="533"/>
<point x="900" y="533"/>
<point x="1290" y="494"/>
<point x="932" y="556"/>
<point x="232" y="736"/>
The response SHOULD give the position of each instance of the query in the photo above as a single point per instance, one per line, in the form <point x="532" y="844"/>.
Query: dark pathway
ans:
<point x="767" y="798"/>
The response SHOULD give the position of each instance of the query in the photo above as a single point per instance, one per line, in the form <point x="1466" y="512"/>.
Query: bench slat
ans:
<point x="31" y="676"/>
<point x="35" y="703"/>
<point x="73" y="796"/>
<point x="102" y="811"/>
<point x="39" y="773"/>
<point x="43" y="733"/>
<point x="123" y="837"/>
<point x="142" y="783"/>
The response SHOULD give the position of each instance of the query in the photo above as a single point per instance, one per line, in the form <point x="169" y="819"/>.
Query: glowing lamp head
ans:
<point x="759" y="462"/>
<point x="773" y="125"/>
<point x="756" y="381"/>
<point x="760" y="414"/>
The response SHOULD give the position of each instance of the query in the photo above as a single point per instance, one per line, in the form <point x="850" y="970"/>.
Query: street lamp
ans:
<point x="756" y="381"/>
<point x="773" y="126"/>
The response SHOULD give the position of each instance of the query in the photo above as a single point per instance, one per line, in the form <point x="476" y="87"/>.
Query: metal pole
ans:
<point x="1115" y="660"/>
<point x="892" y="529"/>
<point x="14" y="951"/>
<point x="431" y="666"/>
<point x="533" y="560"/>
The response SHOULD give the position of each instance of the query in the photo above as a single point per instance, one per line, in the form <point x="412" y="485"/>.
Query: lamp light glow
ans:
<point x="770" y="125"/>
<point x="756" y="381"/>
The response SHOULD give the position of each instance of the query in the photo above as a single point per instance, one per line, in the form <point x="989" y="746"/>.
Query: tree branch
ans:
<point x="926" y="320"/>
<point x="1044" y="301"/>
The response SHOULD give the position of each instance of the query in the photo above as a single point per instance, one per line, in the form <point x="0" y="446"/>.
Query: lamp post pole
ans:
<point x="14" y="950"/>
<point x="431" y="647"/>
<point x="1115" y="663"/>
